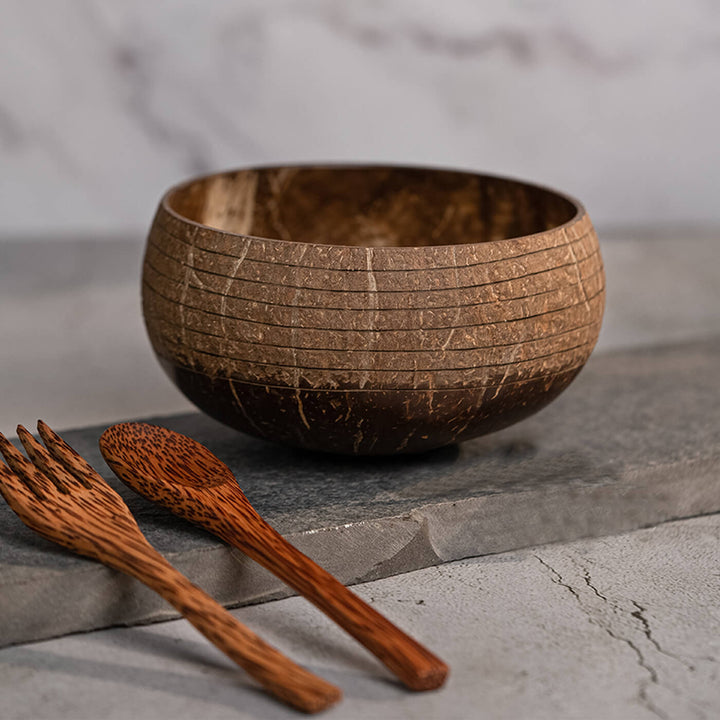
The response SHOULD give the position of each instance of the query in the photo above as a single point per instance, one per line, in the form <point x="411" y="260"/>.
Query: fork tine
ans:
<point x="76" y="465"/>
<point x="24" y="469"/>
<point x="56" y="472"/>
<point x="16" y="493"/>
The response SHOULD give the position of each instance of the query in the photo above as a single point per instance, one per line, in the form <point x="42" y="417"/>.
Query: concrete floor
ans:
<point x="623" y="627"/>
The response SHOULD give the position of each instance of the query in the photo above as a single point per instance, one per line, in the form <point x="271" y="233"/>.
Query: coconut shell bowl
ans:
<point x="370" y="310"/>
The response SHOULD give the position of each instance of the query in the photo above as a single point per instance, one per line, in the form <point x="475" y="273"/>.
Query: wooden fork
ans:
<point x="59" y="495"/>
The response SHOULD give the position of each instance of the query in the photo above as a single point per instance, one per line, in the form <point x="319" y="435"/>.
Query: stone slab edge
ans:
<point x="96" y="597"/>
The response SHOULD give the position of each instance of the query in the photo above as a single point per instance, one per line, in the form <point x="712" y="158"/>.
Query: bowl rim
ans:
<point x="579" y="213"/>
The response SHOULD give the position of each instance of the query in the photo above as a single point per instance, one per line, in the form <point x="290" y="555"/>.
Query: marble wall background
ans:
<point x="103" y="105"/>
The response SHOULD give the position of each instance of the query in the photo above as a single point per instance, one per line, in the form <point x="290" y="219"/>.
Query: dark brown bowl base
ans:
<point x="365" y="422"/>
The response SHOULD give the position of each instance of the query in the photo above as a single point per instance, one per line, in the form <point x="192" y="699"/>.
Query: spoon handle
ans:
<point x="279" y="675"/>
<point x="414" y="664"/>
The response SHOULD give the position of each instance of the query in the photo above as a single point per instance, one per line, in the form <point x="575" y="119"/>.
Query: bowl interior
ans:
<point x="370" y="206"/>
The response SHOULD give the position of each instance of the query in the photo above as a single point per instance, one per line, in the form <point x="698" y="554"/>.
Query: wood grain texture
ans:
<point x="370" y="310"/>
<point x="59" y="495"/>
<point x="186" y="478"/>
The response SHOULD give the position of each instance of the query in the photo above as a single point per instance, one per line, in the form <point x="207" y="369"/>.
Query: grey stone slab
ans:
<point x="633" y="442"/>
<point x="75" y="350"/>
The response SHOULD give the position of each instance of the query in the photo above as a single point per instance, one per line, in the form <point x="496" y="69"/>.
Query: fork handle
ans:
<point x="415" y="665"/>
<point x="274" y="671"/>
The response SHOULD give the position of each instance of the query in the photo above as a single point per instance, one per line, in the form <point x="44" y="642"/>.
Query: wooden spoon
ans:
<point x="187" y="479"/>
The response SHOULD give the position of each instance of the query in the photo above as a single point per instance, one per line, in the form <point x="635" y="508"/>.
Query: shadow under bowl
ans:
<point x="370" y="309"/>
